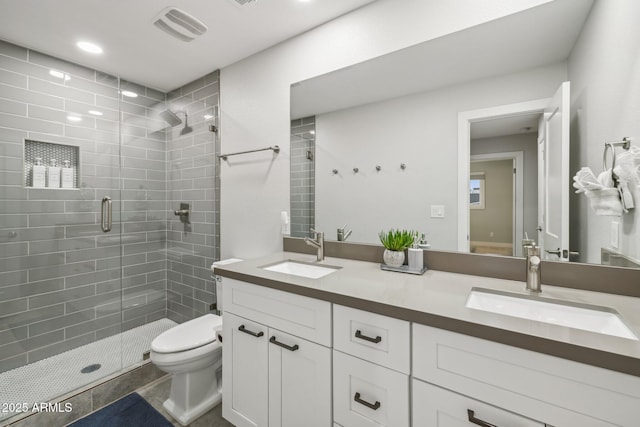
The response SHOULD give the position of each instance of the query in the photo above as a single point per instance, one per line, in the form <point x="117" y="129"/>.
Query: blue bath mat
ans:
<point x="130" y="411"/>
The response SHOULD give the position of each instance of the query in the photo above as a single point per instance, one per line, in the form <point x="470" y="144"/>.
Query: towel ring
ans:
<point x="625" y="144"/>
<point x="608" y="147"/>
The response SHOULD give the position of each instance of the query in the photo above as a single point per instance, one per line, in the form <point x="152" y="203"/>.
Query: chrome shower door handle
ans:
<point x="106" y="214"/>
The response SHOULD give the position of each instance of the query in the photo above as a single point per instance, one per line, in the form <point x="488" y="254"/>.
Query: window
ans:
<point x="476" y="190"/>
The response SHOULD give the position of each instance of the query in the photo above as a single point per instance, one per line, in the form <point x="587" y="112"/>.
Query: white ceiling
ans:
<point x="139" y="52"/>
<point x="523" y="123"/>
<point x="539" y="36"/>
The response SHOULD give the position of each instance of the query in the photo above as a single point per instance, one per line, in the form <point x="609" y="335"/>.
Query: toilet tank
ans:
<point x="220" y="280"/>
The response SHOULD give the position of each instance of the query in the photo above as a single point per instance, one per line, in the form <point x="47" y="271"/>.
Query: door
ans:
<point x="299" y="382"/>
<point x="555" y="155"/>
<point x="245" y="372"/>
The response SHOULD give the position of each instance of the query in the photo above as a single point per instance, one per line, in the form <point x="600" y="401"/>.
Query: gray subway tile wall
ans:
<point x="193" y="177"/>
<point x="303" y="142"/>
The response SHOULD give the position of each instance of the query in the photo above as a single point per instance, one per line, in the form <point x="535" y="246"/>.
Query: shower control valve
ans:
<point x="183" y="212"/>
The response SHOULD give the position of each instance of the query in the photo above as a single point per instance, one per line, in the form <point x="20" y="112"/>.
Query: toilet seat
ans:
<point x="173" y="360"/>
<point x="189" y="335"/>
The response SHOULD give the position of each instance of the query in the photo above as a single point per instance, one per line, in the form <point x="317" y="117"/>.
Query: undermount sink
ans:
<point x="602" y="320"/>
<point x="303" y="269"/>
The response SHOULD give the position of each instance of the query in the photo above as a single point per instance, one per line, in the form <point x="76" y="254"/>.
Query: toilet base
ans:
<point x="194" y="393"/>
<point x="185" y="417"/>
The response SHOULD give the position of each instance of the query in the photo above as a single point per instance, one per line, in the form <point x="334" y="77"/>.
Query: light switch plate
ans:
<point x="615" y="230"/>
<point x="437" y="211"/>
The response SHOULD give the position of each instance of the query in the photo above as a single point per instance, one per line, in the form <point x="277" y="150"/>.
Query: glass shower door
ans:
<point x="60" y="232"/>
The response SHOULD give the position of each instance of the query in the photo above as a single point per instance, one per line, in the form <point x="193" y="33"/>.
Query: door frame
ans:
<point x="517" y="208"/>
<point x="465" y="118"/>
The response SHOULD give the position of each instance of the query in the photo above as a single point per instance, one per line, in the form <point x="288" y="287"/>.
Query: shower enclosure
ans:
<point x="92" y="272"/>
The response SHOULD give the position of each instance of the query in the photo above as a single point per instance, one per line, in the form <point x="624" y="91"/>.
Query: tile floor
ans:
<point x="49" y="378"/>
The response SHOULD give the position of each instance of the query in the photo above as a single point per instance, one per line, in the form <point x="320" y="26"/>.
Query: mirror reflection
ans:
<point x="396" y="141"/>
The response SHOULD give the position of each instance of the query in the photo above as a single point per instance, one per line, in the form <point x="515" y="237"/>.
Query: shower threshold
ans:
<point x="46" y="379"/>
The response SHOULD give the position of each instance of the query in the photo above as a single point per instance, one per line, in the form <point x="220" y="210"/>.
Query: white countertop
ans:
<point x="438" y="298"/>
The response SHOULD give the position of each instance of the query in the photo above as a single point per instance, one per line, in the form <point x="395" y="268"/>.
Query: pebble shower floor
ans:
<point x="60" y="374"/>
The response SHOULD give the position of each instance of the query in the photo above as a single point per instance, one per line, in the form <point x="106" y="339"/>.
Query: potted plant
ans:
<point x="395" y="242"/>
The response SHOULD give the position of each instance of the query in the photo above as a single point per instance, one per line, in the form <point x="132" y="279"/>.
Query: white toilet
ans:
<point x="192" y="352"/>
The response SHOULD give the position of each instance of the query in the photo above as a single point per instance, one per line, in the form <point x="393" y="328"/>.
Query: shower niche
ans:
<point x="51" y="165"/>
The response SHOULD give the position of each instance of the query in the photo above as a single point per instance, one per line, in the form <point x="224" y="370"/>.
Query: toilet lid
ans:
<point x="188" y="335"/>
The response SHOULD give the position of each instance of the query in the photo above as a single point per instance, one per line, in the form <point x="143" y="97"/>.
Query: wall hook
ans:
<point x="403" y="166"/>
<point x="335" y="171"/>
<point x="355" y="170"/>
<point x="378" y="168"/>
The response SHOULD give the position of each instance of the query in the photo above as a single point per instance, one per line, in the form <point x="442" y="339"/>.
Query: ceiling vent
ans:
<point x="179" y="24"/>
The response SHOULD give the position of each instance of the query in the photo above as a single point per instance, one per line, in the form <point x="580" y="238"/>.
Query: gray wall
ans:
<point x="302" y="176"/>
<point x="193" y="177"/>
<point x="60" y="276"/>
<point x="419" y="130"/>
<point x="605" y="93"/>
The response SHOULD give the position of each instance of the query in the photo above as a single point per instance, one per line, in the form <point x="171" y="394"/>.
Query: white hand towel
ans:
<point x="605" y="202"/>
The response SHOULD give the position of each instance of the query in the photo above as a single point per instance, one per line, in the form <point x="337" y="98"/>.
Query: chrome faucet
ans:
<point x="317" y="242"/>
<point x="342" y="235"/>
<point x="532" y="253"/>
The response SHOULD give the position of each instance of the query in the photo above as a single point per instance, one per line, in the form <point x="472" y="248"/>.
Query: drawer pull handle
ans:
<point x="273" y="340"/>
<point x="373" y="406"/>
<point x="478" y="421"/>
<point x="253" y="334"/>
<point x="375" y="340"/>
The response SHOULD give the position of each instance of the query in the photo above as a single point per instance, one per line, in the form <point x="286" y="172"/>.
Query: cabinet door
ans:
<point x="299" y="382"/>
<point x="437" y="407"/>
<point x="245" y="372"/>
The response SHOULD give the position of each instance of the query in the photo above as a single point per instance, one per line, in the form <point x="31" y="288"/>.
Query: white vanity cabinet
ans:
<point x="291" y="361"/>
<point x="276" y="358"/>
<point x="535" y="386"/>
<point x="371" y="365"/>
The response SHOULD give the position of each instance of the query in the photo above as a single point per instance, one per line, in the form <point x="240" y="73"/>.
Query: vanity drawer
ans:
<point x="368" y="395"/>
<point x="301" y="316"/>
<point x="373" y="337"/>
<point x="437" y="407"/>
<point x="557" y="391"/>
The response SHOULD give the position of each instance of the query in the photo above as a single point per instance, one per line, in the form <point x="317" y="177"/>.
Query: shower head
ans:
<point x="170" y="117"/>
<point x="186" y="129"/>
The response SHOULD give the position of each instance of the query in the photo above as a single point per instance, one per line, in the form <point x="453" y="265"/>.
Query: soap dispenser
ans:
<point x="416" y="261"/>
<point x="67" y="175"/>
<point x="38" y="174"/>
<point x="53" y="174"/>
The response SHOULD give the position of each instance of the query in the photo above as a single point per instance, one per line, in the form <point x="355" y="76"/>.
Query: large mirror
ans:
<point x="417" y="138"/>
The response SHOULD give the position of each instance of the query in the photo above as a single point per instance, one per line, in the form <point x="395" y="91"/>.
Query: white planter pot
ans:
<point x="393" y="258"/>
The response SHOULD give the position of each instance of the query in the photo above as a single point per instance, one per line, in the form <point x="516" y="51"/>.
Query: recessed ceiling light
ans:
<point x="59" y="75"/>
<point x="95" y="112"/>
<point x="208" y="116"/>
<point x="74" y="118"/>
<point x="129" y="94"/>
<point x="89" y="47"/>
<point x="312" y="132"/>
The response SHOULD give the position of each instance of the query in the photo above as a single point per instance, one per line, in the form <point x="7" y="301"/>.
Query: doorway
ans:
<point x="501" y="132"/>
<point x="496" y="208"/>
